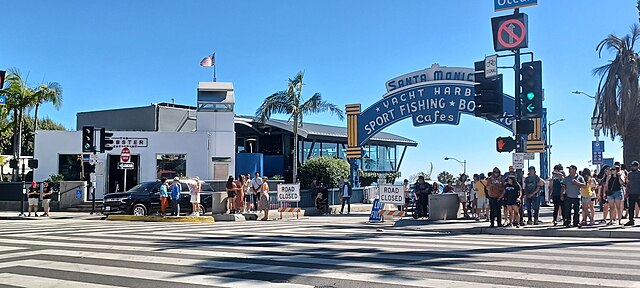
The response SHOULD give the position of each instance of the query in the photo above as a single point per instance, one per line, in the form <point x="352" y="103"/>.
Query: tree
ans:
<point x="47" y="93"/>
<point x="6" y="144"/>
<point x="290" y="102"/>
<point x="427" y="175"/>
<point x="330" y="170"/>
<point x="617" y="102"/>
<point x="445" y="177"/>
<point x="19" y="98"/>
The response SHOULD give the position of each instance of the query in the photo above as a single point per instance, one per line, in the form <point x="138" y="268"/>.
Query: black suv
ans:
<point x="144" y="199"/>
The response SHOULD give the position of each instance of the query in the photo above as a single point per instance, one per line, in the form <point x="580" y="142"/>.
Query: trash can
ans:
<point x="443" y="206"/>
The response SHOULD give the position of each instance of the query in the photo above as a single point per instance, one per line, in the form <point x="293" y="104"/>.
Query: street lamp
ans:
<point x="549" y="136"/>
<point x="463" y="163"/>
<point x="582" y="93"/>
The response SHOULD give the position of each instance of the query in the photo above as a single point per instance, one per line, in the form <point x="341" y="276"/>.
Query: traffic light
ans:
<point x="106" y="143"/>
<point x="87" y="139"/>
<point x="505" y="144"/>
<point x="488" y="94"/>
<point x="2" y="75"/>
<point x="531" y="87"/>
<point x="523" y="127"/>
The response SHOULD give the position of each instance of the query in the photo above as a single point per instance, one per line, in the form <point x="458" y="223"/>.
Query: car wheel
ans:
<point x="139" y="210"/>
<point x="201" y="208"/>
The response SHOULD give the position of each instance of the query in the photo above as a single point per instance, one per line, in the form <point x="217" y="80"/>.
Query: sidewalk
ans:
<point x="10" y="215"/>
<point x="545" y="229"/>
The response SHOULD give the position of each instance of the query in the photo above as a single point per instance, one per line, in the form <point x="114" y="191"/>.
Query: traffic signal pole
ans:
<point x="518" y="100"/>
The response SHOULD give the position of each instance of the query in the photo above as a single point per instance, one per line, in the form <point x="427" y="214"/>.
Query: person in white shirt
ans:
<point x="256" y="188"/>
<point x="345" y="193"/>
<point x="194" y="189"/>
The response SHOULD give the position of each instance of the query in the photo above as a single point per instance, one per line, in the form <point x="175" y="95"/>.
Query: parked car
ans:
<point x="144" y="199"/>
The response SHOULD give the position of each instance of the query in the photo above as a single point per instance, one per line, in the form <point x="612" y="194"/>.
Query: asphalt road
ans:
<point x="317" y="252"/>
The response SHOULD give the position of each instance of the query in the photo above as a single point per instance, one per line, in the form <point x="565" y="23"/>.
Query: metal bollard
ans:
<point x="93" y="201"/>
<point x="24" y="193"/>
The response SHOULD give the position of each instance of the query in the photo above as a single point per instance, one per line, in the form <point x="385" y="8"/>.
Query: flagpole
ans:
<point x="214" y="66"/>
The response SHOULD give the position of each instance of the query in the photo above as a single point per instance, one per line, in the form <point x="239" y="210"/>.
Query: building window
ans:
<point x="171" y="165"/>
<point x="70" y="167"/>
<point x="330" y="150"/>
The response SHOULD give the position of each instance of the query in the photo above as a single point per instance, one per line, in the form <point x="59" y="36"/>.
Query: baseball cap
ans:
<point x="573" y="167"/>
<point x="635" y="163"/>
<point x="176" y="179"/>
<point x="196" y="178"/>
<point x="482" y="176"/>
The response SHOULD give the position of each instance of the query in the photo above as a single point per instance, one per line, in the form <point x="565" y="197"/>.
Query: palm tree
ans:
<point x="617" y="101"/>
<point x="50" y="92"/>
<point x="290" y="102"/>
<point x="19" y="98"/>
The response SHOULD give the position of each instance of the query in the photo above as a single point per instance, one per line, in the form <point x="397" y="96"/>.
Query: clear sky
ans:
<point x="111" y="54"/>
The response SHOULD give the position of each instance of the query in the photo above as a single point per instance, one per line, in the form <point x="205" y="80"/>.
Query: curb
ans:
<point x="191" y="219"/>
<point x="542" y="232"/>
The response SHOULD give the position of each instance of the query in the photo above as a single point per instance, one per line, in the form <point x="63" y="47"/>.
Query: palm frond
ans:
<point x="277" y="103"/>
<point x="315" y="104"/>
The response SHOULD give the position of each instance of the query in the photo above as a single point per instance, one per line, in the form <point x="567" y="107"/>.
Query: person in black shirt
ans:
<point x="46" y="198"/>
<point x="34" y="194"/>
<point x="512" y="196"/>
<point x="422" y="190"/>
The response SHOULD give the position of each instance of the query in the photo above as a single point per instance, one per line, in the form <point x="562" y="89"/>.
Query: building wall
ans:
<point x="129" y="119"/>
<point x="200" y="147"/>
<point x="173" y="119"/>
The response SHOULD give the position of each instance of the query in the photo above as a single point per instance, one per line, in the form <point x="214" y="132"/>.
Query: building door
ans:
<point x="116" y="176"/>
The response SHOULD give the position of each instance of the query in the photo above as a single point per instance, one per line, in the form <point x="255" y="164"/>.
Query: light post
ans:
<point x="463" y="163"/>
<point x="596" y="129"/>
<point x="549" y="136"/>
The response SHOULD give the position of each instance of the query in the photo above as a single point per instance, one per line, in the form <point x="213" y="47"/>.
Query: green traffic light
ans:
<point x="530" y="96"/>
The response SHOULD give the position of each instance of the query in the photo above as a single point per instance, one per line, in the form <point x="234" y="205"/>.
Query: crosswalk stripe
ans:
<point x="20" y="280"/>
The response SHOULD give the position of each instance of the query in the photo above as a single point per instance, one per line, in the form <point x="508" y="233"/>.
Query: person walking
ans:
<point x="614" y="184"/>
<point x="482" y="207"/>
<point x="573" y="182"/>
<point x="603" y="191"/>
<point x="633" y="191"/>
<point x="461" y="189"/>
<point x="533" y="185"/>
<point x="422" y="190"/>
<point x="556" y="186"/>
<point x="263" y="204"/>
<point x="256" y="188"/>
<point x="46" y="198"/>
<point x="175" y="197"/>
<point x="588" y="196"/>
<point x="407" y="194"/>
<point x="345" y="192"/>
<point x="513" y="195"/>
<point x="33" y="195"/>
<point x="164" y="196"/>
<point x="496" y="192"/>
<point x="232" y="191"/>
<point x="195" y="189"/>
<point x="248" y="195"/>
<point x="240" y="197"/>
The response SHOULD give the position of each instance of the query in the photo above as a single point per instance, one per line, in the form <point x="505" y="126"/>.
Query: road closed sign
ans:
<point x="392" y="194"/>
<point x="288" y="192"/>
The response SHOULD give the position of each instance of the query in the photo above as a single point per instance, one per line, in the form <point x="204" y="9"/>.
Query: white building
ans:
<point x="208" y="151"/>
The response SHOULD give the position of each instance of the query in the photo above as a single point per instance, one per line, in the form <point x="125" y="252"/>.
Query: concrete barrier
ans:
<point x="197" y="219"/>
<point x="68" y="193"/>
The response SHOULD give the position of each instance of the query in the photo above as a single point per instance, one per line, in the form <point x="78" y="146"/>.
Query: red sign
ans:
<point x="507" y="35"/>
<point x="125" y="155"/>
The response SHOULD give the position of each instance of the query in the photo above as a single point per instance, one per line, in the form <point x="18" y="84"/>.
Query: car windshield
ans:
<point x="143" y="187"/>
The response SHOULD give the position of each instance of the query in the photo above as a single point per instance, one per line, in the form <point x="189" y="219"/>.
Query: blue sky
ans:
<point x="111" y="54"/>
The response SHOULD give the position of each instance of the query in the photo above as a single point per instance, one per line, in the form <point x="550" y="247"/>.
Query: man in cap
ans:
<point x="572" y="183"/>
<point x="532" y="187"/>
<point x="34" y="195"/>
<point x="633" y="191"/>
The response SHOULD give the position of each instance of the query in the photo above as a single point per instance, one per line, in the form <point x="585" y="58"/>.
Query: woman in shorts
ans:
<point x="232" y="191"/>
<point x="587" y="194"/>
<point x="512" y="194"/>
<point x="195" y="196"/>
<point x="240" y="197"/>
<point x="263" y="202"/>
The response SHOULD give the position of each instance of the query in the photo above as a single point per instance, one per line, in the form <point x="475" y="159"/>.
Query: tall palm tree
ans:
<point x="47" y="93"/>
<point x="290" y="102"/>
<point x="19" y="98"/>
<point x="617" y="100"/>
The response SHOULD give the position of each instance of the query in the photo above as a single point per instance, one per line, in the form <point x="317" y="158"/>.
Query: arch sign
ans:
<point x="437" y="95"/>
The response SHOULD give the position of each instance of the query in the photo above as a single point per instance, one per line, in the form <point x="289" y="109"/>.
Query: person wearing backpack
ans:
<point x="532" y="187"/>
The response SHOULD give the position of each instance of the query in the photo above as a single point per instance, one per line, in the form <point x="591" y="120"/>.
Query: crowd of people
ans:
<point x="245" y="194"/>
<point x="502" y="199"/>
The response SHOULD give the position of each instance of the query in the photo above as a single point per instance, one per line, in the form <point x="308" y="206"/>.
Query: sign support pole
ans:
<point x="124" y="187"/>
<point x="518" y="100"/>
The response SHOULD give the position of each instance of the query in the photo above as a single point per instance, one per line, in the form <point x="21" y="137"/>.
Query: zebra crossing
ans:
<point x="307" y="253"/>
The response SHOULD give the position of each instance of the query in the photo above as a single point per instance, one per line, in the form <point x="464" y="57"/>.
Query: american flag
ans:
<point x="209" y="61"/>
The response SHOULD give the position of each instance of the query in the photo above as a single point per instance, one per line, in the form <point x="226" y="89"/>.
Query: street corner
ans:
<point x="189" y="219"/>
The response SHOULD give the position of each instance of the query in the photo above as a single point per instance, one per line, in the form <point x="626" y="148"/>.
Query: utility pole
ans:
<point x="518" y="100"/>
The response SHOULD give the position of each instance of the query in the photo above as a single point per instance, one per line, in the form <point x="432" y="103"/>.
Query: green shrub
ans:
<point x="331" y="170"/>
<point x="54" y="181"/>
